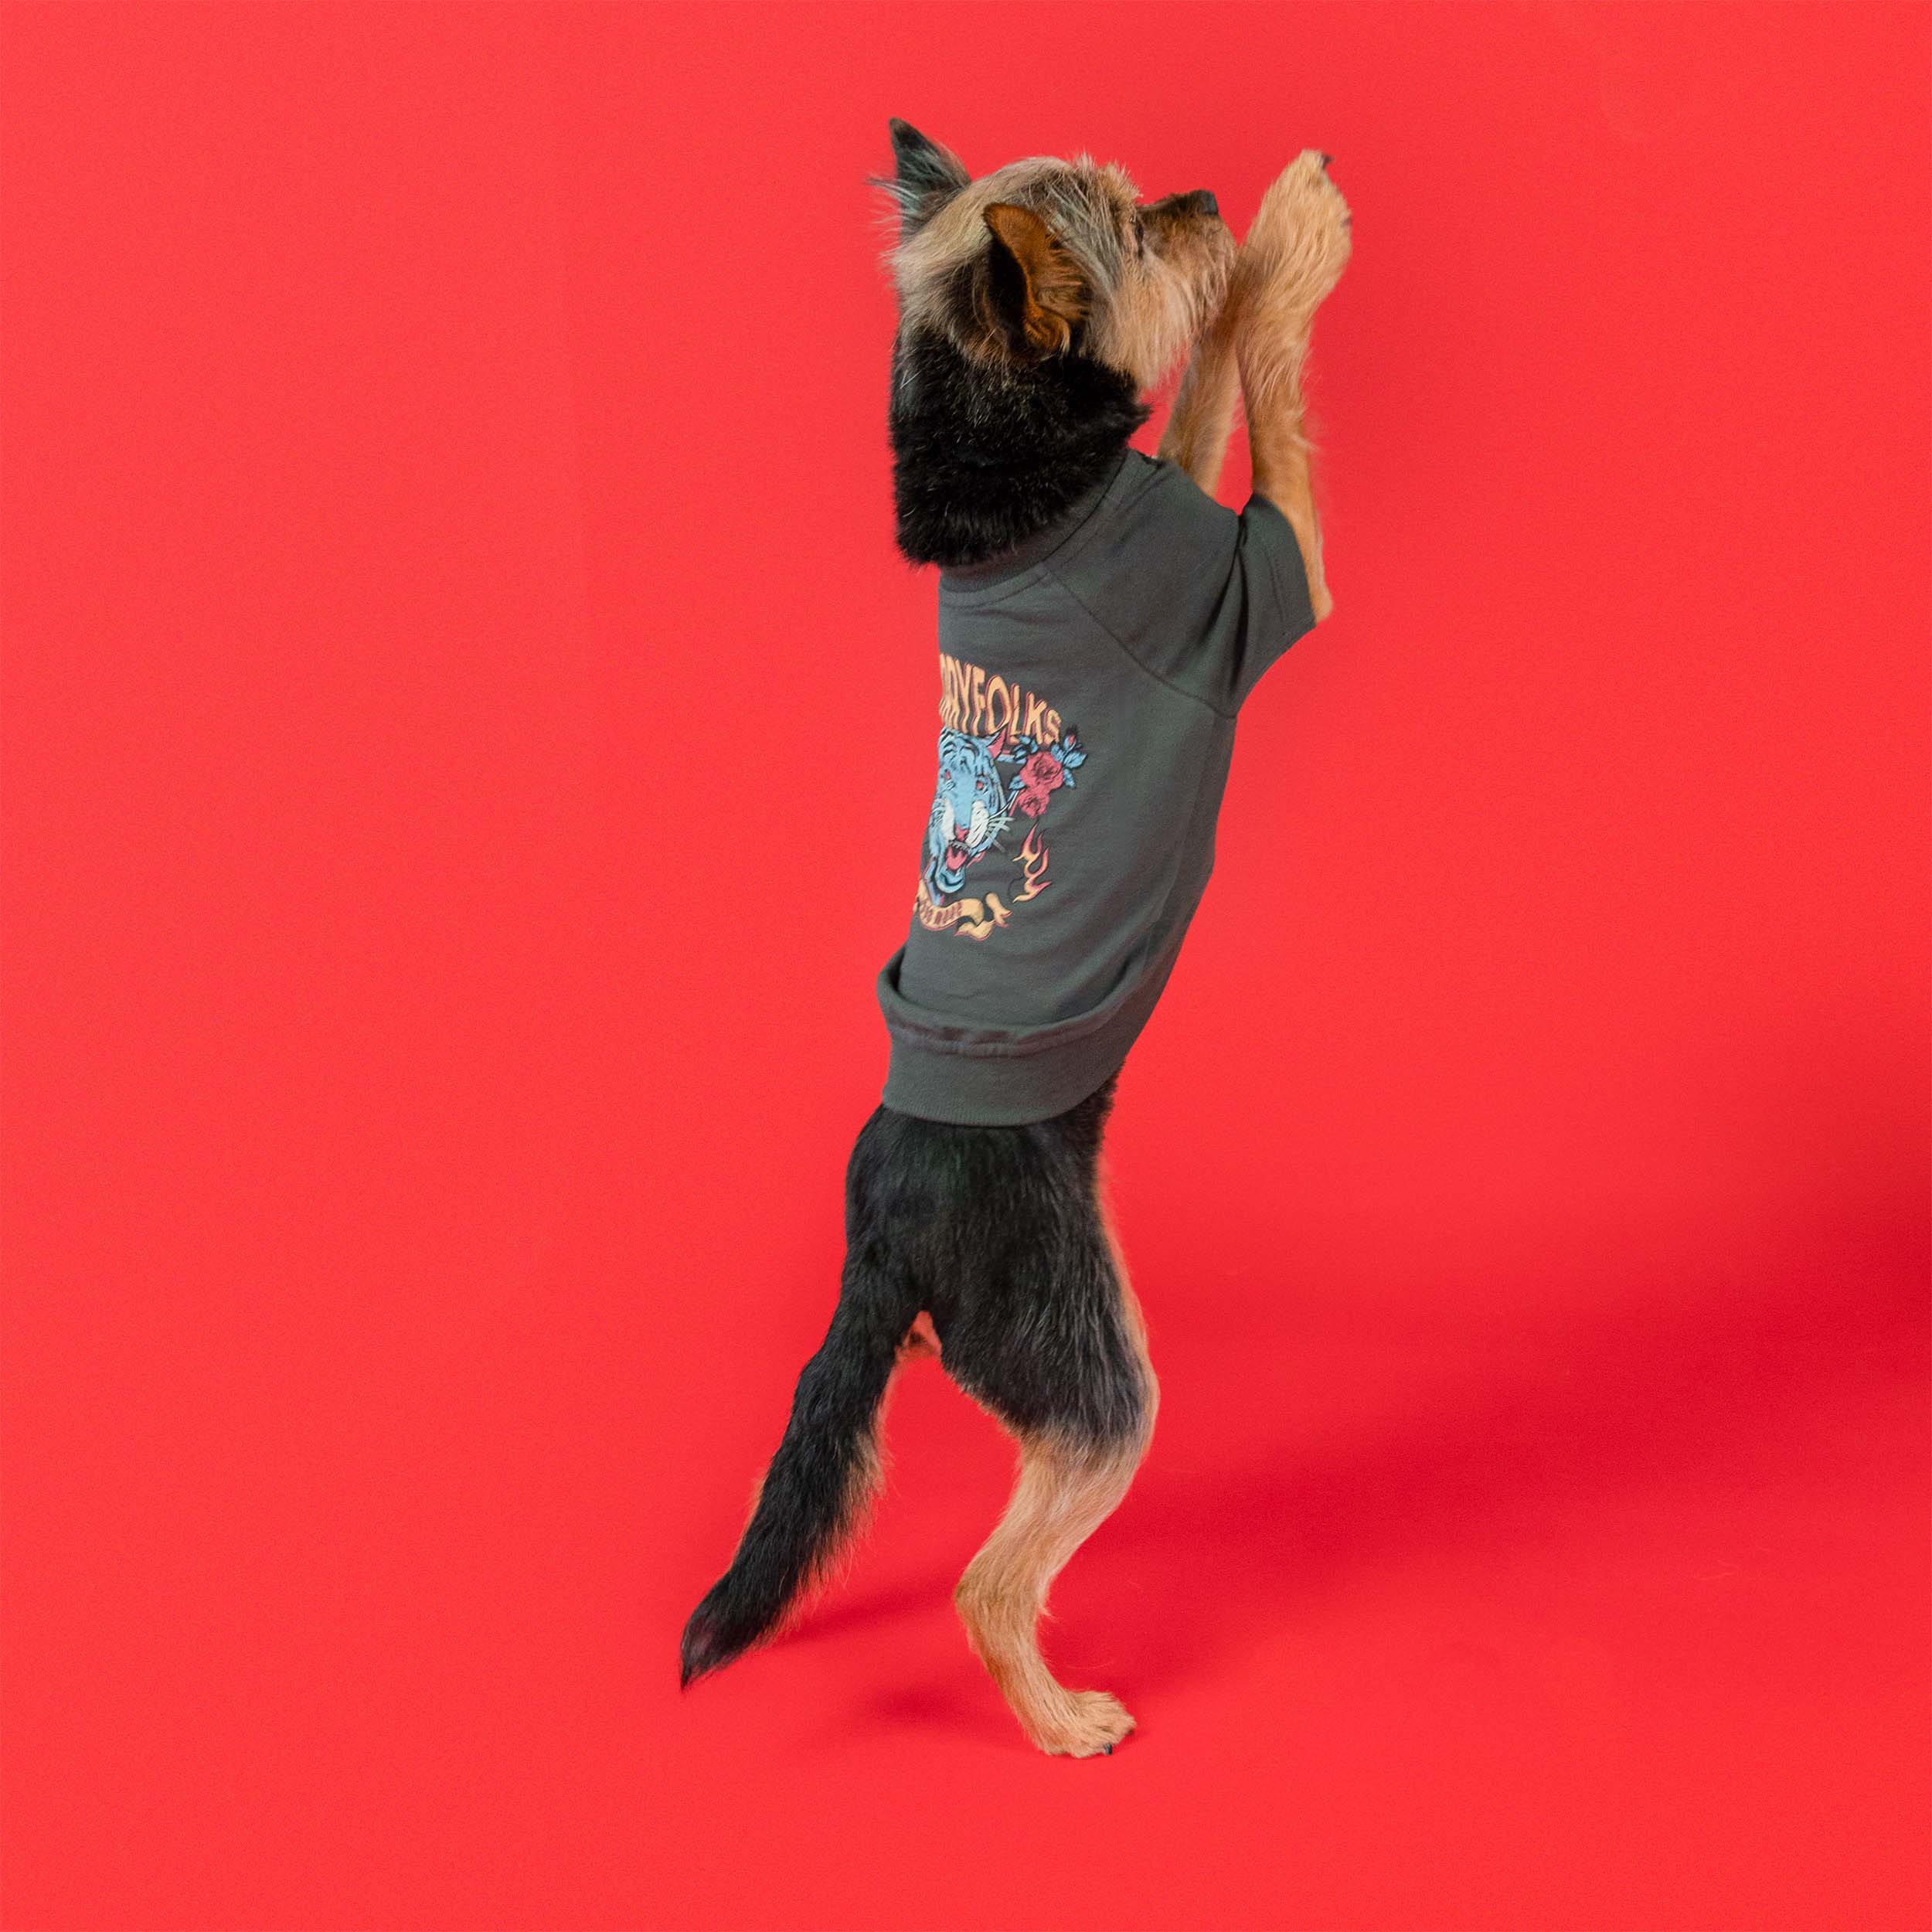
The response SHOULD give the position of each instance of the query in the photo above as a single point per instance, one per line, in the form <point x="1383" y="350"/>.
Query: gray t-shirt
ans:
<point x="1088" y="682"/>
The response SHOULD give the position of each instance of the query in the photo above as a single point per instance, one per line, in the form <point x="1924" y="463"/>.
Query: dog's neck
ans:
<point x="984" y="458"/>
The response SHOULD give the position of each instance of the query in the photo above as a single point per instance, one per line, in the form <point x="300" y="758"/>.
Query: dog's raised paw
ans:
<point x="1300" y="244"/>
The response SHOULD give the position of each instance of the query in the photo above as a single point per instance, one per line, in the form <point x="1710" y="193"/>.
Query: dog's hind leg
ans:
<point x="1066" y="1490"/>
<point x="1070" y="1379"/>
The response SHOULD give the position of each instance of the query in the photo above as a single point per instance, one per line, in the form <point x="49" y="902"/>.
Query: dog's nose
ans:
<point x="1203" y="202"/>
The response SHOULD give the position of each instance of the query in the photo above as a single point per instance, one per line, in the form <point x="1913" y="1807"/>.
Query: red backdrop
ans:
<point x="465" y="723"/>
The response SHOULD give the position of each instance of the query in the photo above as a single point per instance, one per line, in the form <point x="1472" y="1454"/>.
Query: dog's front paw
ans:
<point x="1299" y="244"/>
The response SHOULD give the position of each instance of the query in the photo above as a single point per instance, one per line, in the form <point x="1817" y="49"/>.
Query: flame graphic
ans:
<point x="1032" y="860"/>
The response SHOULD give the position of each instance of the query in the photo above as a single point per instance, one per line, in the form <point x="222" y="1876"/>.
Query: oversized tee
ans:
<point x="1089" y="684"/>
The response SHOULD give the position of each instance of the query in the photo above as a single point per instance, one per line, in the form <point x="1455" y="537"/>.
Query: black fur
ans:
<point x="993" y="1231"/>
<point x="985" y="457"/>
<point x="811" y="1496"/>
<point x="925" y="176"/>
<point x="996" y="1232"/>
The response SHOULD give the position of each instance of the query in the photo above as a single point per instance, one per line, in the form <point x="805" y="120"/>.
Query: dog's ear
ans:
<point x="1038" y="290"/>
<point x="925" y="177"/>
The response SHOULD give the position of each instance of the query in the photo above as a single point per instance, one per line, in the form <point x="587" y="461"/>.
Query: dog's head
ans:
<point x="1042" y="257"/>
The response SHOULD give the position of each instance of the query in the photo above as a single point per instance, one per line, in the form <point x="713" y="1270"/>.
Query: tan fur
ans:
<point x="1064" y="1495"/>
<point x="1065" y="1491"/>
<point x="1071" y="226"/>
<point x="1144" y="304"/>
<point x="924" y="264"/>
<point x="1145" y="294"/>
<point x="1130" y="1301"/>
<point x="1167" y="296"/>
<point x="1202" y="419"/>
<point x="1292" y="258"/>
<point x="1056" y="294"/>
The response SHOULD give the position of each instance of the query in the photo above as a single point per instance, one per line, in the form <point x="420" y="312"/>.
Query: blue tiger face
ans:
<point x="969" y="809"/>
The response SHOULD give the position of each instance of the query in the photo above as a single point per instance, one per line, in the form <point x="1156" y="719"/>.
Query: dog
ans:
<point x="1064" y="854"/>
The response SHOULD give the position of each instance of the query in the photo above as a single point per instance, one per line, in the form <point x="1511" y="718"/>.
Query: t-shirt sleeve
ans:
<point x="1275" y="588"/>
<point x="1204" y="599"/>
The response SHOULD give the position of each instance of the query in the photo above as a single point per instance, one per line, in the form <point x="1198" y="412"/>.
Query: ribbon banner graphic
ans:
<point x="974" y="918"/>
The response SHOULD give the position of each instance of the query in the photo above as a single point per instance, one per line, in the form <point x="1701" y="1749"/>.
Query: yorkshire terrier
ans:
<point x="1101" y="619"/>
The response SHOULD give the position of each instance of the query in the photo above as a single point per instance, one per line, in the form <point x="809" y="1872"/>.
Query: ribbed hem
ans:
<point x="978" y="1077"/>
<point x="967" y="1090"/>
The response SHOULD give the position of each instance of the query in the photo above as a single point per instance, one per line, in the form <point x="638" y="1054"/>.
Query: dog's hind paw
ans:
<point x="1088" y="1724"/>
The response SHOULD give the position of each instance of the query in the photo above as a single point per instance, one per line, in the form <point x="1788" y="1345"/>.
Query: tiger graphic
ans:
<point x="969" y="809"/>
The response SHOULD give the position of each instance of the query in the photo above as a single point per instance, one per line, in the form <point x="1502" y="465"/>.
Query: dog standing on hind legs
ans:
<point x="1101" y="621"/>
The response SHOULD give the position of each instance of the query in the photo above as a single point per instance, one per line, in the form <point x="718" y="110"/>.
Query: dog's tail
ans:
<point x="816" y="1493"/>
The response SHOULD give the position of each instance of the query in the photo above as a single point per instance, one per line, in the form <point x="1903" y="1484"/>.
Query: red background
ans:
<point x="465" y="719"/>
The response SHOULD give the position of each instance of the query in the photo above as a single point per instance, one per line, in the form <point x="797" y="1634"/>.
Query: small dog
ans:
<point x="1101" y="619"/>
